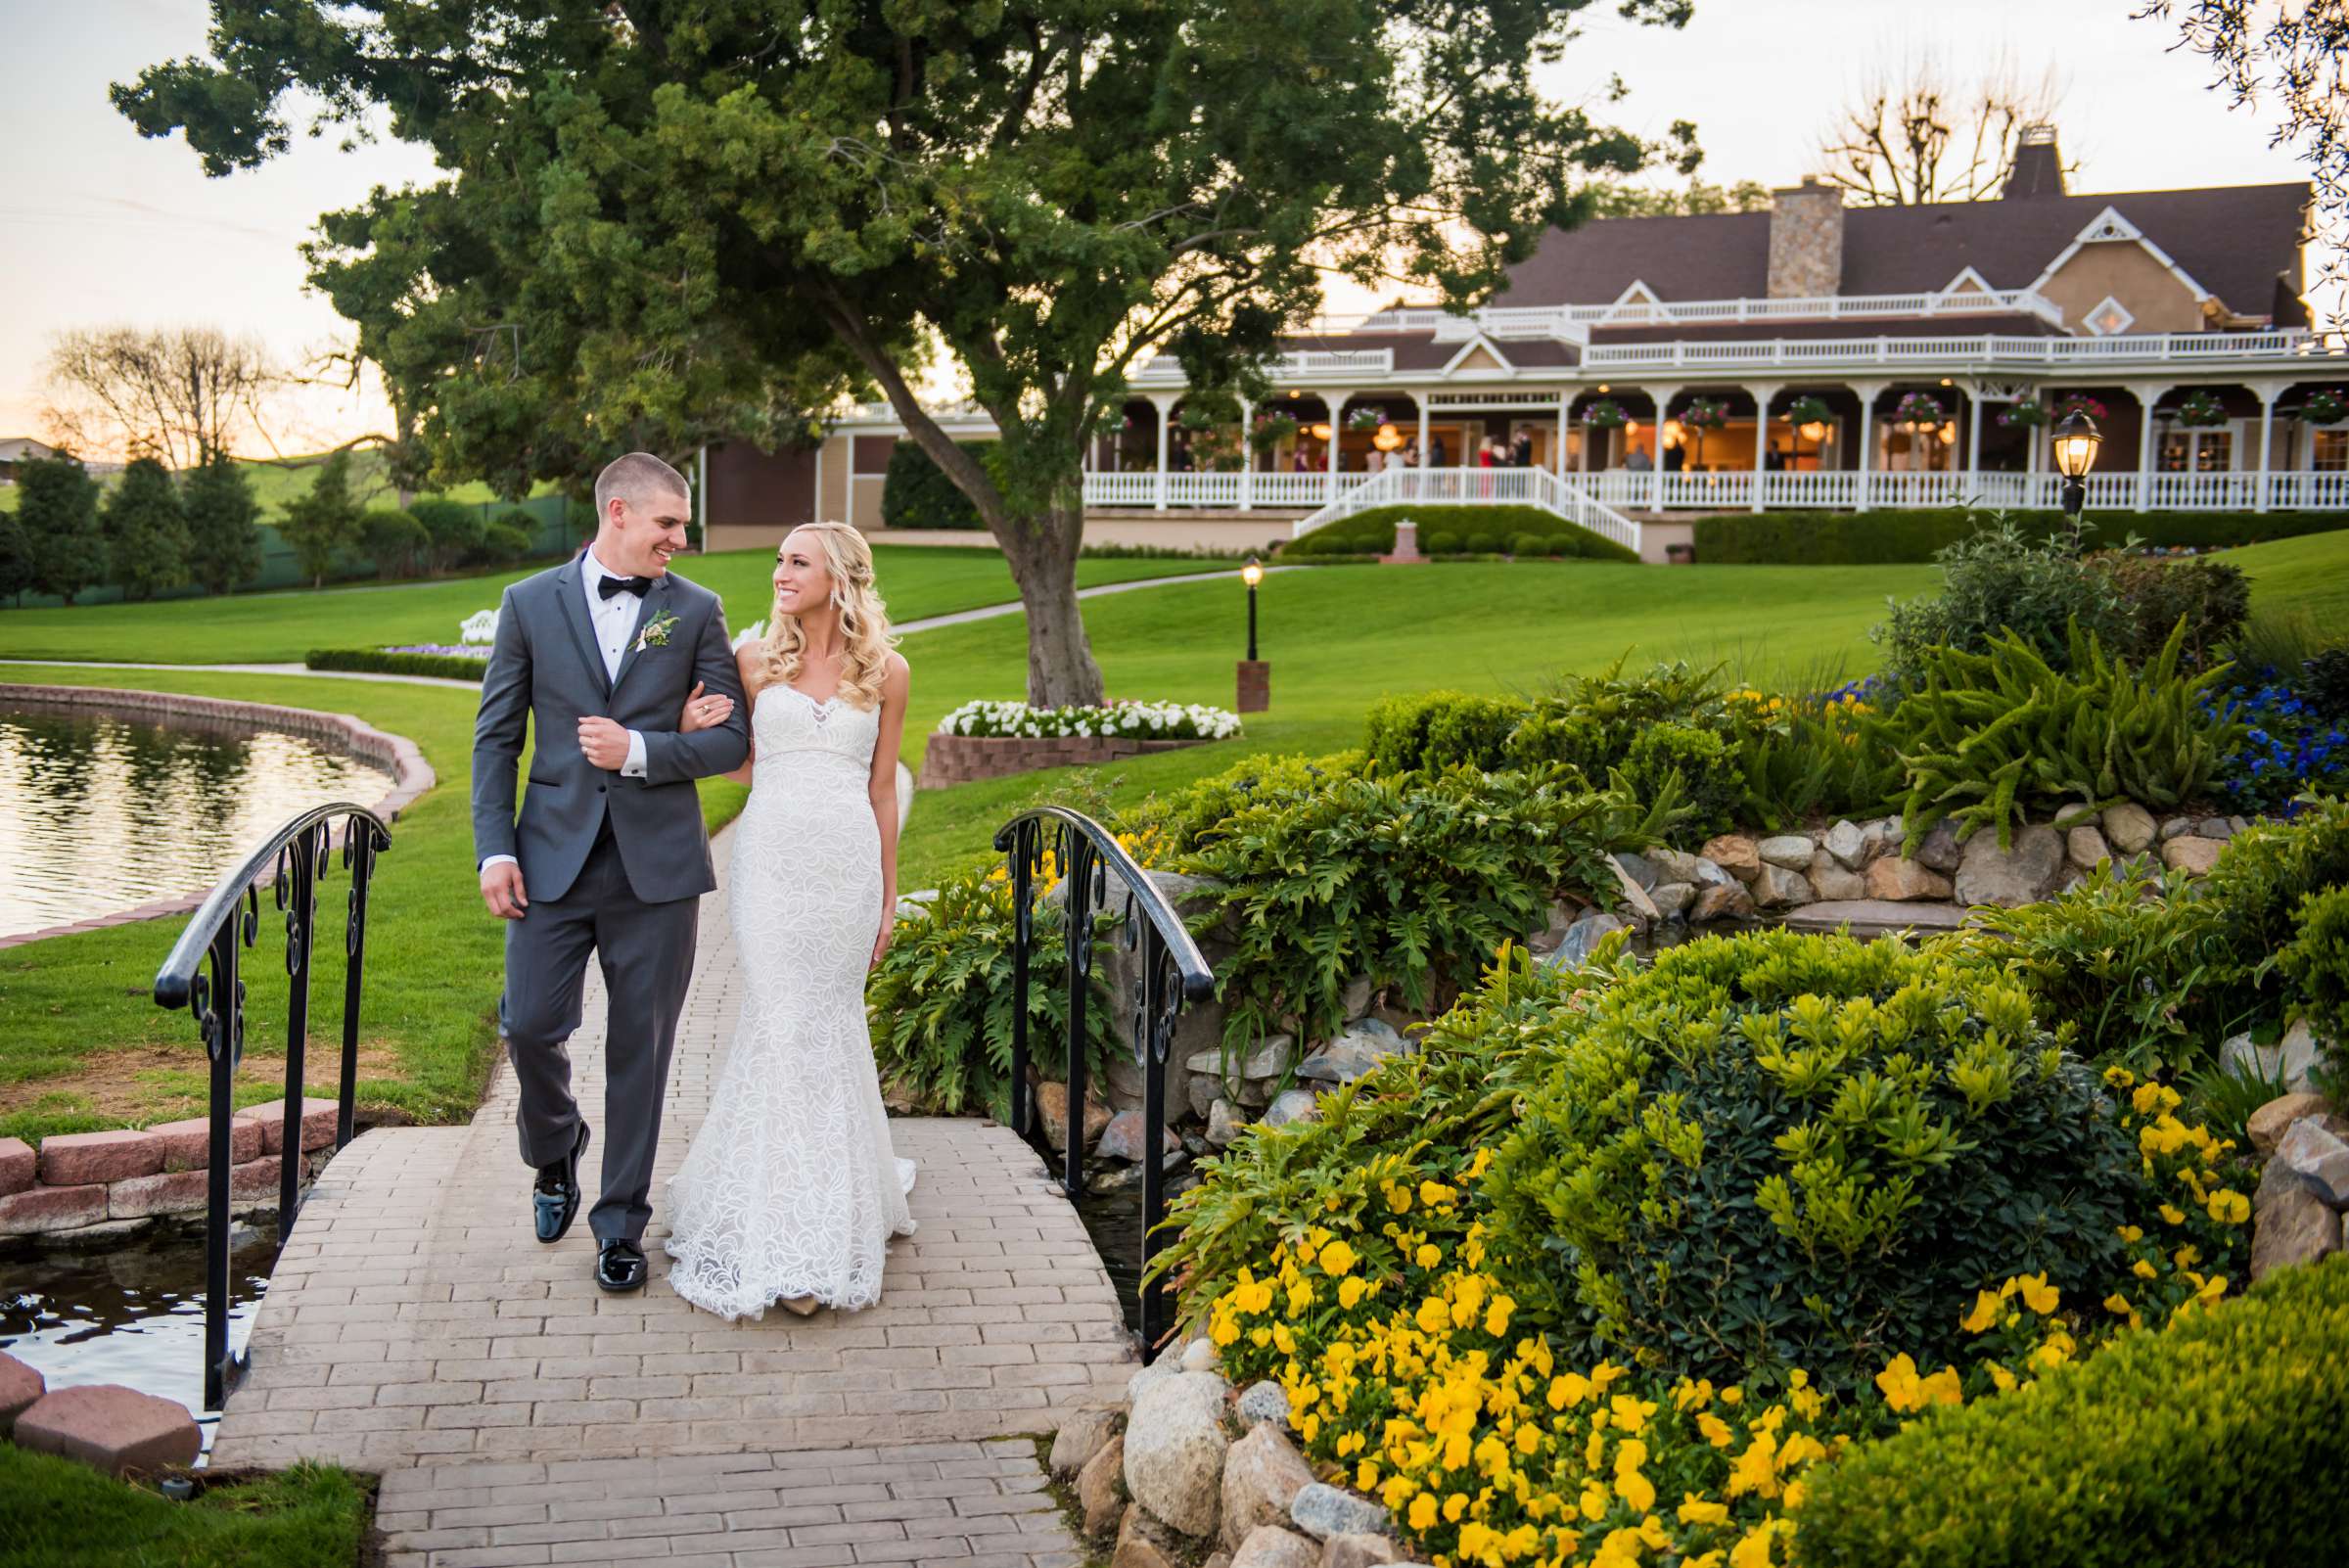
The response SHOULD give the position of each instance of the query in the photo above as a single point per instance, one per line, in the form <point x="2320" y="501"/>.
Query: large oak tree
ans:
<point x="667" y="220"/>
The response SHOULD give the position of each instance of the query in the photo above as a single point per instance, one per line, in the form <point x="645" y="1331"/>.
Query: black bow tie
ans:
<point x="636" y="586"/>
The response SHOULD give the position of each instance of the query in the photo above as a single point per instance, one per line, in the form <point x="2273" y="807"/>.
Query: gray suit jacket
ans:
<point x="545" y="673"/>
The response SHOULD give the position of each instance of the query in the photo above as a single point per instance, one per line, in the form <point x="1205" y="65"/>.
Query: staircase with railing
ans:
<point x="1480" y="487"/>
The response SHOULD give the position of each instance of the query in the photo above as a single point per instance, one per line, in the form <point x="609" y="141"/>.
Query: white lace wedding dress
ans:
<point x="791" y="1187"/>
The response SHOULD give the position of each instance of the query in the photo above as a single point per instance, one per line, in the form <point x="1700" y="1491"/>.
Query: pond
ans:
<point x="103" y="812"/>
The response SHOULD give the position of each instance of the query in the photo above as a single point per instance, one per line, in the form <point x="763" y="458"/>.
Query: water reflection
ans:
<point x="103" y="812"/>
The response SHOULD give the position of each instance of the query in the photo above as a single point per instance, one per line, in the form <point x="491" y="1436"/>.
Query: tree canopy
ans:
<point x="144" y="530"/>
<point x="670" y="221"/>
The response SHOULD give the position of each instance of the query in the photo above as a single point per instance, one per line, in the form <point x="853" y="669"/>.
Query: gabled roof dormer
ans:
<point x="1479" y="355"/>
<point x="2109" y="227"/>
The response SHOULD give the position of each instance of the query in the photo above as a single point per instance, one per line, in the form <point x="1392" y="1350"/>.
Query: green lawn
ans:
<point x="55" y="1513"/>
<point x="918" y="582"/>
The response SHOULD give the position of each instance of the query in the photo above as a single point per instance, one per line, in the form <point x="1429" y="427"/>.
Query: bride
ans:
<point x="791" y="1190"/>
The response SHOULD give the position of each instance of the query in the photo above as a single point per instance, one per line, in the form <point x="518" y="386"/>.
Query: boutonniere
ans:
<point x="656" y="631"/>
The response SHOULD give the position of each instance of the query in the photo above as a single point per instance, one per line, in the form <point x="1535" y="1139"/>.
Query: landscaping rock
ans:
<point x="20" y="1387"/>
<point x="2192" y="856"/>
<point x="1270" y="1546"/>
<point x="317" y="1124"/>
<point x="1581" y="938"/>
<point x="2319" y="1157"/>
<point x="1355" y="1001"/>
<point x="1635" y="902"/>
<point x="1123" y="1177"/>
<point x="1365" y="1044"/>
<point x="1777" y="888"/>
<point x="2128" y="827"/>
<point x="1735" y="854"/>
<point x="1203" y="1090"/>
<point x="2176" y="827"/>
<point x="1940" y="850"/>
<point x="111" y="1428"/>
<point x="1224" y="1124"/>
<point x="1848" y="845"/>
<point x="2289" y="1061"/>
<point x="1052" y="1109"/>
<point x="45" y="1209"/>
<point x="2291" y="1225"/>
<point x="1790" y="851"/>
<point x="1874" y="914"/>
<point x="1261" y="1477"/>
<point x="1639" y="867"/>
<point x="1097" y="1490"/>
<point x="19" y="1166"/>
<point x="73" y="1159"/>
<point x="1672" y="866"/>
<point x="1722" y="903"/>
<point x="1672" y="898"/>
<point x="1147" y="1543"/>
<point x="2086" y="847"/>
<point x="1268" y="1059"/>
<point x="1080" y="1437"/>
<point x="1126" y="1083"/>
<point x="2009" y="878"/>
<point x="2216" y="827"/>
<point x="1199" y="1356"/>
<point x="1829" y="879"/>
<point x="164" y="1192"/>
<point x="1359" y="1551"/>
<point x="1323" y="1512"/>
<point x="1174" y="1449"/>
<point x="1881" y="835"/>
<point x="2269" y="1123"/>
<point x="1267" y="1401"/>
<point x="1292" y="1106"/>
<point x="1901" y="880"/>
<point x="1121" y="1140"/>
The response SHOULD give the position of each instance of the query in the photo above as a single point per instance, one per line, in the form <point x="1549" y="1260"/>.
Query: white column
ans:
<point x="1164" y="404"/>
<point x="1662" y="398"/>
<point x="1421" y="399"/>
<point x="1974" y="431"/>
<point x="2146" y="393"/>
<point x="1246" y="458"/>
<point x="2267" y="394"/>
<point x="701" y="492"/>
<point x="1557" y="461"/>
<point x="1869" y="391"/>
<point x="1336" y="402"/>
<point x="1762" y="395"/>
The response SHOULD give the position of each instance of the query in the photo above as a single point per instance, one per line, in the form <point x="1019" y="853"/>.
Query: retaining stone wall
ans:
<point x="962" y="759"/>
<point x="76" y="1180"/>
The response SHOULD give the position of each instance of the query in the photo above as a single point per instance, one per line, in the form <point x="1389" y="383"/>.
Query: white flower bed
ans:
<point x="1137" y="720"/>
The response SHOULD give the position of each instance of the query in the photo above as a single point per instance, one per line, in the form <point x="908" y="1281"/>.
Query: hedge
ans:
<point x="2214" y="1441"/>
<point x="1373" y="531"/>
<point x="375" y="661"/>
<point x="1850" y="538"/>
<point x="917" y="494"/>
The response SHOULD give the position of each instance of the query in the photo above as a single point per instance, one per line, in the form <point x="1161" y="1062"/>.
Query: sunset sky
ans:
<point x="100" y="226"/>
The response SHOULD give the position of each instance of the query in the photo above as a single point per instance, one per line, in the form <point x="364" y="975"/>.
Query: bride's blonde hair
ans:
<point x="863" y="619"/>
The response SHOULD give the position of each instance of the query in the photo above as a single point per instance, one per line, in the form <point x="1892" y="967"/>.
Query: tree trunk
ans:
<point x="1061" y="671"/>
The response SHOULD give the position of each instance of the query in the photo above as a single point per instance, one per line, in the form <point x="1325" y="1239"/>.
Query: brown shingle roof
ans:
<point x="1937" y="325"/>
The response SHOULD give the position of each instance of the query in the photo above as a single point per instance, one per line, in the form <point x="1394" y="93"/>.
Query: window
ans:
<point x="2111" y="318"/>
<point x="2195" y="451"/>
<point x="2330" y="452"/>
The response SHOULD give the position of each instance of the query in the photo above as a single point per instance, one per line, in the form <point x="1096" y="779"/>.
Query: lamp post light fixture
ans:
<point x="1254" y="674"/>
<point x="2074" y="441"/>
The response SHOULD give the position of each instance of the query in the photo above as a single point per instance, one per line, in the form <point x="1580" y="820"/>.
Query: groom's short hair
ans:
<point x="632" y="478"/>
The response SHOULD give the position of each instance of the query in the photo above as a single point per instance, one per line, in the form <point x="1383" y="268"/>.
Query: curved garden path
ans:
<point x="522" y="1417"/>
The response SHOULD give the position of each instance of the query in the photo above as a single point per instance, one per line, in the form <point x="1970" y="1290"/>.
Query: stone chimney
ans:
<point x="2038" y="164"/>
<point x="1805" y="241"/>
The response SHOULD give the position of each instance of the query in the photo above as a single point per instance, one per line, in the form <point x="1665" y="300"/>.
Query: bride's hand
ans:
<point x="889" y="929"/>
<point x="703" y="712"/>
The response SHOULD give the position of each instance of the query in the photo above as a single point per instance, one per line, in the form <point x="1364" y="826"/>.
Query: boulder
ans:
<point x="1127" y="1177"/>
<point x="114" y="1429"/>
<point x="1719" y="902"/>
<point x="1097" y="1490"/>
<point x="1267" y="1060"/>
<point x="2289" y="1061"/>
<point x="1672" y="866"/>
<point x="1777" y="888"/>
<point x="2269" y="1123"/>
<point x="1672" y="898"/>
<point x="1791" y="851"/>
<point x="1147" y="1543"/>
<point x="1359" y="1551"/>
<point x="22" y="1386"/>
<point x="2176" y="827"/>
<point x="1355" y="1001"/>
<point x="1635" y="902"/>
<point x="1272" y="1547"/>
<point x="2191" y="854"/>
<point x="1080" y="1437"/>
<point x="1126" y="1083"/>
<point x="1581" y="939"/>
<point x="2291" y="1225"/>
<point x="1052" y="1107"/>
<point x="1831" y="879"/>
<point x="1940" y="850"/>
<point x="1199" y="1356"/>
<point x="1223" y="1122"/>
<point x="1174" y="1447"/>
<point x="2014" y="877"/>
<point x="2128" y="827"/>
<point x="1882" y="837"/>
<point x="2086" y="847"/>
<point x="1292" y="1106"/>
<point x="1848" y="844"/>
<point x="2319" y="1157"/>
<point x="1637" y="866"/>
<point x="2216" y="827"/>
<point x="1267" y="1401"/>
<point x="1321" y="1512"/>
<point x="1121" y="1140"/>
<point x="1261" y="1477"/>
<point x="1365" y="1044"/>
<point x="1899" y="879"/>
<point x="1202" y="1089"/>
<point x="1735" y="854"/>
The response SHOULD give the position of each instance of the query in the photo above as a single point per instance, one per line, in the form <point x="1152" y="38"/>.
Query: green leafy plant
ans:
<point x="1999" y="582"/>
<point x="1706" y="766"/>
<point x="1801" y="759"/>
<point x="1838" y="539"/>
<point x="2316" y="964"/>
<point x="2248" y="911"/>
<point x="2209" y="599"/>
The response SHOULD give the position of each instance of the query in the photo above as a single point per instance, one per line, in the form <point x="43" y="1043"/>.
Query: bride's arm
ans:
<point x="750" y="666"/>
<point x="883" y="787"/>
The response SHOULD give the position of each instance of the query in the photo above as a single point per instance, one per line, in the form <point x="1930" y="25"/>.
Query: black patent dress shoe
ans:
<point x="555" y="1200"/>
<point x="620" y="1266"/>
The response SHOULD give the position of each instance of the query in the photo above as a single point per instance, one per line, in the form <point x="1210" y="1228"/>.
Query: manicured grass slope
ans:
<point x="55" y="1513"/>
<point x="282" y="627"/>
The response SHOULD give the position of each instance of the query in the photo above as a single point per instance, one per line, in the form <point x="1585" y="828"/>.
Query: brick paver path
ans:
<point x="521" y="1415"/>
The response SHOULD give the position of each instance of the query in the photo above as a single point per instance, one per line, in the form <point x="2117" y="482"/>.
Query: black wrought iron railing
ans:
<point x="205" y="975"/>
<point x="1167" y="971"/>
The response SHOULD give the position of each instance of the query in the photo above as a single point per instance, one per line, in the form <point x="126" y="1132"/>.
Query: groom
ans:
<point x="597" y="658"/>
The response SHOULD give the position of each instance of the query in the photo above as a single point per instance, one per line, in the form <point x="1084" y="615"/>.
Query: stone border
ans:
<point x="411" y="774"/>
<point x="950" y="760"/>
<point x="84" y="1181"/>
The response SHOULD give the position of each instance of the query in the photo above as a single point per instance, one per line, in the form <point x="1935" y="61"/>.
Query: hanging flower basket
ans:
<point x="2078" y="403"/>
<point x="1605" y="414"/>
<point x="2025" y="413"/>
<point x="1272" y="429"/>
<point x="1809" y="411"/>
<point x="2200" y="409"/>
<point x="1918" y="409"/>
<point x="2328" y="407"/>
<point x="1368" y="417"/>
<point x="1705" y="414"/>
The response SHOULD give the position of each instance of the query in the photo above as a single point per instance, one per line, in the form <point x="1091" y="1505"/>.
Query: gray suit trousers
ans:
<point x="646" y="950"/>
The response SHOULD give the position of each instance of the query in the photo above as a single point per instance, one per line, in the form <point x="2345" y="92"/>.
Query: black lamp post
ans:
<point x="1255" y="676"/>
<point x="2076" y="440"/>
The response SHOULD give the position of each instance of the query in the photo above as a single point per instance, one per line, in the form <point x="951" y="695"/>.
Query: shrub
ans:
<point x="57" y="510"/>
<point x="915" y="492"/>
<point x="1197" y="811"/>
<point x="396" y="542"/>
<point x="224" y="538"/>
<point x="323" y="520"/>
<point x="2317" y="963"/>
<point x="453" y="528"/>
<point x="1996" y="737"/>
<point x="146" y="531"/>
<point x="2249" y="909"/>
<point x="451" y="666"/>
<point x="2108" y="959"/>
<point x="1532" y="545"/>
<point x="1438" y="729"/>
<point x="1711" y="783"/>
<point x="503" y="543"/>
<point x="1371" y="532"/>
<point x="1845" y="538"/>
<point x="2209" y="599"/>
<point x="1481" y="543"/>
<point x="1998" y="581"/>
<point x="2179" y="1443"/>
<point x="2292" y="737"/>
<point x="1784" y="1150"/>
<point x="1801" y="758"/>
<point x="1441" y="542"/>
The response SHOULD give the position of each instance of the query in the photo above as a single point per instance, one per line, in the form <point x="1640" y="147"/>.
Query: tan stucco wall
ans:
<point x="832" y="484"/>
<point x="2126" y="271"/>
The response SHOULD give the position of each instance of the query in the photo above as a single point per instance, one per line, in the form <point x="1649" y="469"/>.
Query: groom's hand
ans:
<point x="603" y="743"/>
<point x="501" y="890"/>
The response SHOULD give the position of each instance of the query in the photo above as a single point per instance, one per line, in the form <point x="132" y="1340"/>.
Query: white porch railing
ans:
<point x="1845" y="491"/>
<point x="1478" y="487"/>
<point x="1990" y="351"/>
<point x="1572" y="322"/>
<point x="2309" y="492"/>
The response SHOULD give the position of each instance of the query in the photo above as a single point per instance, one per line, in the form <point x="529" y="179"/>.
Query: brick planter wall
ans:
<point x="961" y="758"/>
<point x="79" y="1180"/>
<point x="411" y="774"/>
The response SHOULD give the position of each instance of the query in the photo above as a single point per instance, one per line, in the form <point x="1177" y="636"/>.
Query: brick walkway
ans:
<point x="521" y="1415"/>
